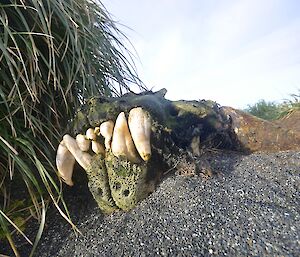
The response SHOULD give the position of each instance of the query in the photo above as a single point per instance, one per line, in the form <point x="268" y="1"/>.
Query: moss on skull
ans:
<point x="101" y="110"/>
<point x="99" y="186"/>
<point x="128" y="181"/>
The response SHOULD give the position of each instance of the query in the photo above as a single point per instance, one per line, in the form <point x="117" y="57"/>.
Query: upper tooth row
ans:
<point x="124" y="139"/>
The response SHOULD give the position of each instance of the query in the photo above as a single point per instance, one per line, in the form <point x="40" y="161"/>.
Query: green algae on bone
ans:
<point x="99" y="185"/>
<point x="128" y="181"/>
<point x="117" y="183"/>
<point x="80" y="122"/>
<point x="100" y="112"/>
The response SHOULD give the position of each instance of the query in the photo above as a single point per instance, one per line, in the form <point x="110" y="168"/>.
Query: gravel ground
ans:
<point x="250" y="208"/>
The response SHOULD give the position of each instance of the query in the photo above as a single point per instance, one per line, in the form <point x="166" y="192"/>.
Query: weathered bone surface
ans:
<point x="174" y="134"/>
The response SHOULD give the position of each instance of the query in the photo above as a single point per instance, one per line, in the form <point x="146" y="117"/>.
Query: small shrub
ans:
<point x="272" y="110"/>
<point x="264" y="110"/>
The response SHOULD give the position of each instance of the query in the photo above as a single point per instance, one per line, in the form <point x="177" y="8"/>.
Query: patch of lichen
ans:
<point x="117" y="183"/>
<point x="80" y="122"/>
<point x="198" y="108"/>
<point x="128" y="181"/>
<point x="102" y="111"/>
<point x="99" y="185"/>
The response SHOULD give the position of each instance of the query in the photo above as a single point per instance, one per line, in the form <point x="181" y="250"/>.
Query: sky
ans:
<point x="235" y="52"/>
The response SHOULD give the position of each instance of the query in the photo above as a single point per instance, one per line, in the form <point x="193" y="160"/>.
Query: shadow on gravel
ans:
<point x="223" y="162"/>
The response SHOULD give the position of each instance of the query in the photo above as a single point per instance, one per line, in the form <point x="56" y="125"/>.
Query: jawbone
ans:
<point x="117" y="161"/>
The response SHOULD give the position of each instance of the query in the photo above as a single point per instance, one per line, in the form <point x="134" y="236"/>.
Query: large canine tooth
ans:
<point x="65" y="163"/>
<point x="122" y="144"/>
<point x="90" y="134"/>
<point x="139" y="122"/>
<point x="98" y="148"/>
<point x="106" y="130"/>
<point x="83" y="143"/>
<point x="84" y="159"/>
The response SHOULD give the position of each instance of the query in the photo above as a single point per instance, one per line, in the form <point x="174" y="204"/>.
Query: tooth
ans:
<point x="98" y="148"/>
<point x="83" y="143"/>
<point x="122" y="144"/>
<point x="90" y="134"/>
<point x="139" y="122"/>
<point x="84" y="159"/>
<point x="65" y="163"/>
<point x="106" y="130"/>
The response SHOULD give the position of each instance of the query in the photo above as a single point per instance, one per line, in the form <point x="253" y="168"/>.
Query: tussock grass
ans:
<point x="272" y="110"/>
<point x="54" y="54"/>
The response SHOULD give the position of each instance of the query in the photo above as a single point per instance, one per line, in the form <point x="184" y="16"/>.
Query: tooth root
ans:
<point x="84" y="159"/>
<point x="106" y="130"/>
<point x="140" y="122"/>
<point x="98" y="148"/>
<point x="65" y="163"/>
<point x="90" y="134"/>
<point x="83" y="143"/>
<point x="122" y="144"/>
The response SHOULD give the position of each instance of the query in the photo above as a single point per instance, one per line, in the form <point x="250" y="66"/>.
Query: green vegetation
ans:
<point x="272" y="110"/>
<point x="291" y="104"/>
<point x="265" y="110"/>
<point x="54" y="55"/>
